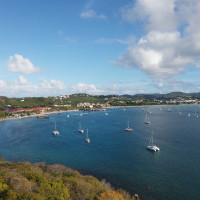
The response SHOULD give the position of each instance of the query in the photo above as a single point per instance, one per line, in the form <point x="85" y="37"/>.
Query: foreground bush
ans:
<point x="54" y="182"/>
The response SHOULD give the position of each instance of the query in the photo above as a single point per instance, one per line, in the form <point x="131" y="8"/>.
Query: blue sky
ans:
<point x="98" y="47"/>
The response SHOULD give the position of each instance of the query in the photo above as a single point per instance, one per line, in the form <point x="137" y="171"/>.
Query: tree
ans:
<point x="111" y="195"/>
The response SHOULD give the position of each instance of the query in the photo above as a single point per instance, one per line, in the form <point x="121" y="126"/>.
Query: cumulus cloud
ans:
<point x="85" y="88"/>
<point x="172" y="41"/>
<point x="21" y="87"/>
<point x="172" y="84"/>
<point x="158" y="15"/>
<point x="19" y="64"/>
<point x="92" y="14"/>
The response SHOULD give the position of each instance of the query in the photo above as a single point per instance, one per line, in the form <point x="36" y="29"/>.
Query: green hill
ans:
<point x="54" y="182"/>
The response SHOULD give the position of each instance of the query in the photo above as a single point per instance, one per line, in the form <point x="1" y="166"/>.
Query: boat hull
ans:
<point x="153" y="148"/>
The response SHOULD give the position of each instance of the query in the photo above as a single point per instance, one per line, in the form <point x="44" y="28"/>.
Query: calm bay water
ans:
<point x="119" y="157"/>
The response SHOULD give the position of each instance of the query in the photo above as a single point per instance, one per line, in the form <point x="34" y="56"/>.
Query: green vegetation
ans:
<point x="67" y="102"/>
<point x="54" y="182"/>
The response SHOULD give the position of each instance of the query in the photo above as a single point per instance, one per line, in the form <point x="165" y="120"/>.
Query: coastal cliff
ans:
<point x="23" y="180"/>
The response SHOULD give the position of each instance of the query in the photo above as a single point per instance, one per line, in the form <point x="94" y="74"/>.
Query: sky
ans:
<point x="58" y="47"/>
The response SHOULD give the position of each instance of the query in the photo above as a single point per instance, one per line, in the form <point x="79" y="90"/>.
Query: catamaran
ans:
<point x="151" y="146"/>
<point x="87" y="138"/>
<point x="128" y="128"/>
<point x="55" y="132"/>
<point x="147" y="121"/>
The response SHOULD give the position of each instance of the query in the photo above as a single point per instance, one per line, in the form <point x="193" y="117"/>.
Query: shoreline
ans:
<point x="35" y="115"/>
<point x="63" y="111"/>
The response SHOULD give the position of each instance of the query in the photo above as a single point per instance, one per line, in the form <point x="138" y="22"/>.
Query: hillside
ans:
<point x="54" y="182"/>
<point x="114" y="100"/>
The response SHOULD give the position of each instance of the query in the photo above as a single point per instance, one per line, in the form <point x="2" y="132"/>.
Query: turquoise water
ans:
<point x="119" y="157"/>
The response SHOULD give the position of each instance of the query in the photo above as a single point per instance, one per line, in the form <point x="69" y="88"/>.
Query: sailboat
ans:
<point x="151" y="146"/>
<point x="147" y="121"/>
<point x="149" y="111"/>
<point x="80" y="128"/>
<point x="196" y="115"/>
<point x="55" y="132"/>
<point x="142" y="109"/>
<point x="169" y="109"/>
<point x="179" y="112"/>
<point x="128" y="128"/>
<point x="87" y="138"/>
<point x="188" y="114"/>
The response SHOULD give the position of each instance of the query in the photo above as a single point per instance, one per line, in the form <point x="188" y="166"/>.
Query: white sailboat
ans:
<point x="128" y="128"/>
<point x="80" y="128"/>
<point x="151" y="146"/>
<point x="147" y="121"/>
<point x="55" y="132"/>
<point x="179" y="112"/>
<point x="148" y="111"/>
<point x="169" y="109"/>
<point x="87" y="138"/>
<point x="188" y="114"/>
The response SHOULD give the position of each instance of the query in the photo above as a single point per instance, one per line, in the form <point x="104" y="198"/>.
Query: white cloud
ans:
<point x="158" y="15"/>
<point x="22" y="80"/>
<point x="172" y="84"/>
<point x="127" y="41"/>
<point x="89" y="4"/>
<point x="71" y="39"/>
<point x="52" y="85"/>
<point x="85" y="88"/>
<point x="157" y="54"/>
<point x="92" y="14"/>
<point x="172" y="42"/>
<point x="67" y="38"/>
<point x="19" y="64"/>
<point x="105" y="41"/>
<point x="21" y="87"/>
